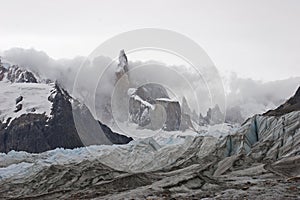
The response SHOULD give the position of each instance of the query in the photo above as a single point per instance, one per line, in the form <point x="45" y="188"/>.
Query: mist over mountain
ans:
<point x="252" y="96"/>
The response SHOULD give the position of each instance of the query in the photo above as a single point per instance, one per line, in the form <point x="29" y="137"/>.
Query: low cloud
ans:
<point x="257" y="96"/>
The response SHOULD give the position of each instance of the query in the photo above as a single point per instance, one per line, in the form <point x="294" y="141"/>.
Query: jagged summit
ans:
<point x="123" y="61"/>
<point x="292" y="104"/>
<point x="122" y="67"/>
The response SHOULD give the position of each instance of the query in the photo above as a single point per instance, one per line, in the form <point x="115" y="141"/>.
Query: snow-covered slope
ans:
<point x="34" y="99"/>
<point x="22" y="92"/>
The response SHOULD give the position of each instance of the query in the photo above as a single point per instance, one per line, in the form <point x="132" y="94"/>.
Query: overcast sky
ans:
<point x="256" y="39"/>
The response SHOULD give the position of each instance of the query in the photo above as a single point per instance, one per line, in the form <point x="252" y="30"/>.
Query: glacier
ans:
<point x="261" y="158"/>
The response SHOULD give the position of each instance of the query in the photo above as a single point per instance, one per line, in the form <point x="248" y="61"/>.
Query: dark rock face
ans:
<point x="26" y="133"/>
<point x="151" y="91"/>
<point x="115" y="138"/>
<point x="62" y="124"/>
<point x="150" y="103"/>
<point x="293" y="104"/>
<point x="37" y="133"/>
<point x="173" y="111"/>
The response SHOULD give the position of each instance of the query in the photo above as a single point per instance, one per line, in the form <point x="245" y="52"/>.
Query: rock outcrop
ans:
<point x="150" y="104"/>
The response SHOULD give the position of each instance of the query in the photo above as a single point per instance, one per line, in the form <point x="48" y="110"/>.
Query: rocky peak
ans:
<point x="151" y="91"/>
<point x="122" y="66"/>
<point x="123" y="61"/>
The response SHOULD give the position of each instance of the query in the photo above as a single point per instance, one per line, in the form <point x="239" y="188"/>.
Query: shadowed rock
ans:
<point x="142" y="108"/>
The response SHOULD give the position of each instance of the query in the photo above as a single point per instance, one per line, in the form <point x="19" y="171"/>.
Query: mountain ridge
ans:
<point x="41" y="123"/>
